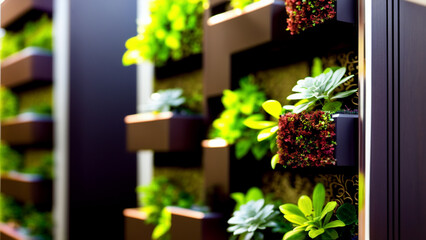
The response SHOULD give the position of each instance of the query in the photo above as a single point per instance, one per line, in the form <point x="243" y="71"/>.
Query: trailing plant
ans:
<point x="34" y="34"/>
<point x="304" y="14"/>
<point x="8" y="103"/>
<point x="251" y="219"/>
<point x="10" y="160"/>
<point x="158" y="195"/>
<point x="174" y="32"/>
<point x="240" y="4"/>
<point x="240" y="104"/>
<point x="315" y="92"/>
<point x="306" y="139"/>
<point x="310" y="218"/>
<point x="165" y="100"/>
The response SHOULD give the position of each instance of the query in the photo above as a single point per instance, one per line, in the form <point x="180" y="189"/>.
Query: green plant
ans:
<point x="174" y="32"/>
<point x="8" y="104"/>
<point x="313" y="92"/>
<point x="253" y="194"/>
<point x="10" y="211"/>
<point x="44" y="169"/>
<point x="240" y="104"/>
<point x="251" y="218"/>
<point x="39" y="224"/>
<point x="311" y="218"/>
<point x="158" y="195"/>
<point x="10" y="160"/>
<point x="165" y="100"/>
<point x="240" y="4"/>
<point x="43" y="109"/>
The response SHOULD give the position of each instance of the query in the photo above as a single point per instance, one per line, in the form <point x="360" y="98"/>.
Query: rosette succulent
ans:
<point x="252" y="217"/>
<point x="165" y="100"/>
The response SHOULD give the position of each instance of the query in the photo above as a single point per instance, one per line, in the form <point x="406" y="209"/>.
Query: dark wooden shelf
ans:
<point x="346" y="152"/>
<point x="195" y="225"/>
<point x="185" y="65"/>
<point x="12" y="11"/>
<point x="27" y="189"/>
<point x="29" y="66"/>
<point x="27" y="130"/>
<point x="135" y="226"/>
<point x="163" y="132"/>
<point x="9" y="233"/>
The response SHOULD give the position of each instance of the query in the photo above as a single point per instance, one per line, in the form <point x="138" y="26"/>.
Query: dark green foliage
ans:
<point x="43" y="109"/>
<point x="10" y="211"/>
<point x="240" y="104"/>
<point x="10" y="160"/>
<point x="8" y="104"/>
<point x="347" y="213"/>
<point x="39" y="224"/>
<point x="44" y="169"/>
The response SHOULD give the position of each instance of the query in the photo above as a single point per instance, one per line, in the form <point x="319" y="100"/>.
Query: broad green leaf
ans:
<point x="316" y="67"/>
<point x="258" y="124"/>
<point x="347" y="213"/>
<point x="239" y="199"/>
<point x="338" y="84"/>
<point x="305" y="205"/>
<point x="288" y="107"/>
<point x="292" y="209"/>
<point x="298" y="96"/>
<point x="334" y="224"/>
<point x="332" y="107"/>
<point x="316" y="232"/>
<point x="303" y="101"/>
<point x="330" y="234"/>
<point x="275" y="159"/>
<point x="318" y="199"/>
<point x="344" y="94"/>
<point x="259" y="150"/>
<point x="335" y="78"/>
<point x="327" y="218"/>
<point x="242" y="147"/>
<point x="295" y="219"/>
<point x="273" y="107"/>
<point x="264" y="134"/>
<point x="328" y="208"/>
<point x="164" y="224"/>
<point x="295" y="235"/>
<point x="253" y="194"/>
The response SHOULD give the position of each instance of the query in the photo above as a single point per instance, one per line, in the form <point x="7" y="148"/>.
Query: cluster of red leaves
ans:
<point x="303" y="14"/>
<point x="306" y="139"/>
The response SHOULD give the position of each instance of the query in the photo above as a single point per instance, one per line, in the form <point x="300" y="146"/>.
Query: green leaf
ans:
<point x="258" y="124"/>
<point x="273" y="107"/>
<point x="253" y="194"/>
<point x="242" y="147"/>
<point x="292" y="209"/>
<point x="347" y="213"/>
<point x="259" y="150"/>
<point x="239" y="198"/>
<point x="316" y="232"/>
<point x="334" y="224"/>
<point x="295" y="235"/>
<point x="328" y="208"/>
<point x="275" y="159"/>
<point x="265" y="133"/>
<point x="164" y="224"/>
<point x="302" y="107"/>
<point x="316" y="67"/>
<point x="344" y="94"/>
<point x="318" y="199"/>
<point x="305" y="205"/>
<point x="332" y="107"/>
<point x="327" y="218"/>
<point x="330" y="234"/>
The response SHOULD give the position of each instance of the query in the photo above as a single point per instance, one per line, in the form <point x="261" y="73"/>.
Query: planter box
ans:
<point x="27" y="130"/>
<point x="164" y="132"/>
<point x="134" y="225"/>
<point x="30" y="65"/>
<point x="12" y="10"/>
<point x="9" y="233"/>
<point x="194" y="225"/>
<point x="27" y="189"/>
<point x="346" y="152"/>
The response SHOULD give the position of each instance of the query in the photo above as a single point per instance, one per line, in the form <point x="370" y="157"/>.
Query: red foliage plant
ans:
<point x="306" y="139"/>
<point x="303" y="14"/>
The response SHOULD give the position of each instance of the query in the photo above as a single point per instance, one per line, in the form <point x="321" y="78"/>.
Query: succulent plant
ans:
<point x="252" y="217"/>
<point x="165" y="100"/>
<point x="319" y="90"/>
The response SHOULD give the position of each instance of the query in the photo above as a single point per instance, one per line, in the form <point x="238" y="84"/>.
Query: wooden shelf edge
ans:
<point x="27" y="129"/>
<point x="136" y="213"/>
<point x="8" y="232"/>
<point x="189" y="213"/>
<point x="12" y="11"/>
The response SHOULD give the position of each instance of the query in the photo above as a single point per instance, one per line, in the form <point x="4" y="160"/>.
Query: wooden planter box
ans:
<point x="25" y="131"/>
<point x="163" y="132"/>
<point x="26" y="189"/>
<point x="134" y="225"/>
<point x="12" y="10"/>
<point x="194" y="225"/>
<point x="9" y="233"/>
<point x="30" y="65"/>
<point x="346" y="129"/>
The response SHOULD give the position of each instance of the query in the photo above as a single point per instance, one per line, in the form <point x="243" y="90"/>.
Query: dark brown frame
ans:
<point x="25" y="132"/>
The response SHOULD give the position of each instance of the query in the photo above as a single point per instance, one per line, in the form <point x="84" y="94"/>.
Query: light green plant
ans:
<point x="239" y="104"/>
<point x="310" y="218"/>
<point x="253" y="194"/>
<point x="10" y="160"/>
<point x="44" y="169"/>
<point x="240" y="4"/>
<point x="313" y="92"/>
<point x="8" y="103"/>
<point x="165" y="100"/>
<point x="251" y="218"/>
<point x="174" y="32"/>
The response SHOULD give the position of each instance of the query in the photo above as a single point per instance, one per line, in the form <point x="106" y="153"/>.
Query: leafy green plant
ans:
<point x="10" y="160"/>
<point x="39" y="224"/>
<point x="41" y="109"/>
<point x="165" y="100"/>
<point x="174" y="32"/>
<point x="240" y="104"/>
<point x="8" y="103"/>
<point x="253" y="194"/>
<point x="158" y="195"/>
<point x="251" y="218"/>
<point x="44" y="169"/>
<point x="240" y="4"/>
<point x="10" y="211"/>
<point x="310" y="218"/>
<point x="313" y="92"/>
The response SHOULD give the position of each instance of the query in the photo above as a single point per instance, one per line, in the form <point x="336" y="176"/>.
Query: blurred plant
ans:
<point x="8" y="103"/>
<point x="253" y="194"/>
<point x="251" y="218"/>
<point x="240" y="104"/>
<point x="165" y="100"/>
<point x="313" y="92"/>
<point x="311" y="218"/>
<point x="10" y="211"/>
<point x="10" y="160"/>
<point x="158" y="195"/>
<point x="240" y="4"/>
<point x="42" y="109"/>
<point x="39" y="224"/>
<point x="44" y="169"/>
<point x="316" y="68"/>
<point x="174" y="32"/>
<point x="303" y="14"/>
<point x="34" y="34"/>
